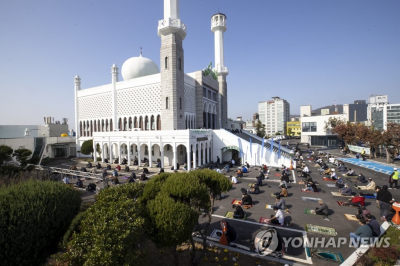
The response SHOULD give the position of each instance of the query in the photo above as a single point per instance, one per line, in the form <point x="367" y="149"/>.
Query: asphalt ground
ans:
<point x="247" y="229"/>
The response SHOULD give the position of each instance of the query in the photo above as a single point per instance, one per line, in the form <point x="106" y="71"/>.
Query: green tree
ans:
<point x="5" y="153"/>
<point x="22" y="156"/>
<point x="290" y="131"/>
<point x="260" y="129"/>
<point x="391" y="139"/>
<point x="34" y="215"/>
<point x="216" y="184"/>
<point x="87" y="147"/>
<point x="109" y="230"/>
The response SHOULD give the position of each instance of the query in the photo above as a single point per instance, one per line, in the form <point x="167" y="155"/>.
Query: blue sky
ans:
<point x="305" y="51"/>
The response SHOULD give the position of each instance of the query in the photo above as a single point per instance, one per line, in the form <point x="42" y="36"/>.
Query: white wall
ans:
<point x="320" y="120"/>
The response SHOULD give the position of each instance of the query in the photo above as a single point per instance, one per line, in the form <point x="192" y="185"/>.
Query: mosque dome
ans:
<point x="136" y="67"/>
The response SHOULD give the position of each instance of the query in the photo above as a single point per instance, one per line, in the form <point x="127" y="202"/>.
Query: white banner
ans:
<point x="359" y="149"/>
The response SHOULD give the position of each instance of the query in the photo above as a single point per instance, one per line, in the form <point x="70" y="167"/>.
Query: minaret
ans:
<point x="218" y="26"/>
<point x="77" y="87"/>
<point x="114" y="80"/>
<point x="172" y="32"/>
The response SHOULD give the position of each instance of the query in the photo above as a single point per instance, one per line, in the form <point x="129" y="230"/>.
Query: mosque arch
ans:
<point x="91" y="128"/>
<point x="135" y="122"/>
<point x="84" y="128"/>
<point x="130" y="123"/>
<point x="107" y="126"/>
<point x="152" y="123"/>
<point x="80" y="127"/>
<point x="141" y="122"/>
<point x="102" y="125"/>
<point x="95" y="126"/>
<point x="125" y="124"/>
<point x="98" y="125"/>
<point x="111" y="125"/>
<point x="120" y="124"/>
<point x="146" y="123"/>
<point x="158" y="122"/>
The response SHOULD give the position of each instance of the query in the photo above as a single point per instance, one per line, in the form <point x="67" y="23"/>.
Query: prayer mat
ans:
<point x="126" y="177"/>
<point x="328" y="179"/>
<point x="216" y="234"/>
<point x="277" y="174"/>
<point x="320" y="230"/>
<point x="274" y="195"/>
<point x="264" y="220"/>
<point x="309" y="211"/>
<point x="230" y="215"/>
<point x="311" y="199"/>
<point x="324" y="255"/>
<point x="247" y="206"/>
<point x="351" y="217"/>
<point x="270" y="207"/>
<point x="370" y="197"/>
<point x="236" y="202"/>
<point x="338" y="194"/>
<point x="330" y="185"/>
<point x="342" y="203"/>
<point x="309" y="191"/>
<point x="350" y="176"/>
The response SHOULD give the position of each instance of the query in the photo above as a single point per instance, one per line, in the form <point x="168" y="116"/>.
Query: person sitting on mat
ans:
<point x="79" y="183"/>
<point x="327" y="172"/>
<point x="322" y="210"/>
<point x="283" y="192"/>
<point x="239" y="173"/>
<point x="362" y="234"/>
<point x="285" y="177"/>
<point x="370" y="186"/>
<point x="362" y="213"/>
<point x="374" y="225"/>
<point x="246" y="199"/>
<point x="357" y="200"/>
<point x="305" y="171"/>
<point x="351" y="172"/>
<point x="333" y="174"/>
<point x="323" y="168"/>
<point x="346" y="191"/>
<point x="278" y="218"/>
<point x="239" y="213"/>
<point x="308" y="187"/>
<point x="98" y="165"/>
<point x="361" y="178"/>
<point x="280" y="203"/>
<point x="342" y="167"/>
<point x="245" y="169"/>
<point x="255" y="190"/>
<point x="339" y="183"/>
<point x="233" y="179"/>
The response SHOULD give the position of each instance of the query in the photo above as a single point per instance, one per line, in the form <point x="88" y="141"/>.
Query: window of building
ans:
<point x="209" y="94"/>
<point x="180" y="64"/>
<point x="166" y="62"/>
<point x="309" y="127"/>
<point x="204" y="92"/>
<point x="166" y="103"/>
<point x="180" y="103"/>
<point x="214" y="96"/>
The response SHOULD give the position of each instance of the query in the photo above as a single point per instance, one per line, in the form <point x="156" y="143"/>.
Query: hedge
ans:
<point x="34" y="215"/>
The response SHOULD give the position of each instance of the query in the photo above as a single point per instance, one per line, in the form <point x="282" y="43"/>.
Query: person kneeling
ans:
<point x="239" y="213"/>
<point x="278" y="218"/>
<point x="247" y="200"/>
<point x="255" y="190"/>
<point x="322" y="210"/>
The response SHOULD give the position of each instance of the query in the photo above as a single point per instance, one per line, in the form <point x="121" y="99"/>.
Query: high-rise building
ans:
<point x="274" y="114"/>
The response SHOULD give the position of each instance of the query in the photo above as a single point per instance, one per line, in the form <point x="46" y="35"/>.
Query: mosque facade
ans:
<point x="160" y="112"/>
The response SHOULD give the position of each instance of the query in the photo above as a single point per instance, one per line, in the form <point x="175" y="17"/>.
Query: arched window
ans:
<point x="146" y="123"/>
<point x="166" y="62"/>
<point x="130" y="122"/>
<point x="158" y="122"/>
<point x="107" y="128"/>
<point x="166" y="103"/>
<point x="125" y="123"/>
<point x="152" y="123"/>
<point x="180" y="64"/>
<point x="81" y="131"/>
<point x="111" y="125"/>
<point x="102" y="125"/>
<point x="120" y="124"/>
<point x="91" y="128"/>
<point x="141" y="123"/>
<point x="135" y="122"/>
<point x="95" y="126"/>
<point x="180" y="103"/>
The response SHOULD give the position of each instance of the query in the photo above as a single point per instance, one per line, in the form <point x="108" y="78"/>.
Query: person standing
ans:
<point x="383" y="199"/>
<point x="218" y="160"/>
<point x="394" y="177"/>
<point x="372" y="152"/>
<point x="363" y="154"/>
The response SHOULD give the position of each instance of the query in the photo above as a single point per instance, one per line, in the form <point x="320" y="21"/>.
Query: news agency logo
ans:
<point x="268" y="241"/>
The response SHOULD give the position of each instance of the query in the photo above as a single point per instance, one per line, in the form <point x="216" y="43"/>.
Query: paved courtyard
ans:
<point x="247" y="229"/>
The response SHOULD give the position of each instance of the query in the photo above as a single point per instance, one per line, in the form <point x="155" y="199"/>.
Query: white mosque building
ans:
<point x="163" y="113"/>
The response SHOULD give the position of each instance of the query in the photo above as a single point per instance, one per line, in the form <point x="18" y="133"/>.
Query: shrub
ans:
<point x="34" y="216"/>
<point x="109" y="230"/>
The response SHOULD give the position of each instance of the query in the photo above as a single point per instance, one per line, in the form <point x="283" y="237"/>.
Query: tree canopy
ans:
<point x="260" y="129"/>
<point x="87" y="147"/>
<point x="22" y="155"/>
<point x="5" y="153"/>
